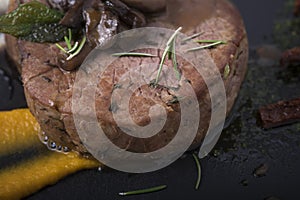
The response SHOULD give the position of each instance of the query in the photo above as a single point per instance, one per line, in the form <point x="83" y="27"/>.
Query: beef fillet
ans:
<point x="48" y="89"/>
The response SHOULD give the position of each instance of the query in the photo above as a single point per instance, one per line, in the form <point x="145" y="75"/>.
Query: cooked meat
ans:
<point x="147" y="6"/>
<point x="297" y="7"/>
<point x="261" y="170"/>
<point x="290" y="57"/>
<point x="48" y="89"/>
<point x="280" y="113"/>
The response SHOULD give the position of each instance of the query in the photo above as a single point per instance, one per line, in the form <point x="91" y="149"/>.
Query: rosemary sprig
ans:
<point x="78" y="50"/>
<point x="68" y="42"/>
<point x="170" y="48"/>
<point x="173" y="36"/>
<point x="199" y="171"/>
<point x="70" y="35"/>
<point x="161" y="64"/>
<point x="192" y="36"/>
<point x="212" y="44"/>
<point x="71" y="48"/>
<point x="143" y="191"/>
<point x="134" y="54"/>
<point x="69" y="39"/>
<point x="174" y="60"/>
<point x="61" y="48"/>
<point x="210" y="41"/>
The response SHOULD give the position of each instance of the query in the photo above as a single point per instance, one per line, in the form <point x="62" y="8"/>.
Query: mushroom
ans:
<point x="100" y="21"/>
<point x="148" y="6"/>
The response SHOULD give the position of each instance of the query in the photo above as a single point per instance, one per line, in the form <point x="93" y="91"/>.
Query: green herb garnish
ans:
<point x="35" y="22"/>
<point x="226" y="71"/>
<point x="170" y="48"/>
<point x="213" y="43"/>
<point x="143" y="191"/>
<point x="199" y="171"/>
<point x="134" y="54"/>
<point x="192" y="36"/>
<point x="172" y="56"/>
<point x="76" y="49"/>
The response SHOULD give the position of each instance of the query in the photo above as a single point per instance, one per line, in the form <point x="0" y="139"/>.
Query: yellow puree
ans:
<point x="19" y="129"/>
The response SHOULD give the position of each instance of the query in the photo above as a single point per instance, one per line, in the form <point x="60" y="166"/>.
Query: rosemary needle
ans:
<point x="192" y="36"/>
<point x="174" y="60"/>
<point x="169" y="43"/>
<point x="167" y="49"/>
<point x="143" y="191"/>
<point x="70" y="35"/>
<point x="68" y="42"/>
<point x="61" y="48"/>
<point x="78" y="50"/>
<point x="206" y="46"/>
<point x="210" y="41"/>
<point x="134" y="54"/>
<point x="199" y="171"/>
<point x="73" y="48"/>
<point x="163" y="58"/>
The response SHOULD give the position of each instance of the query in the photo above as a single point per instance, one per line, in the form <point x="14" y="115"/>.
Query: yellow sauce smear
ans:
<point x="28" y="177"/>
<point x="18" y="129"/>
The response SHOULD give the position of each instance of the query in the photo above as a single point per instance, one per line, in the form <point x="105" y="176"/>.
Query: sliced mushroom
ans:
<point x="73" y="17"/>
<point x="62" y="5"/>
<point x="133" y="18"/>
<point x="102" y="21"/>
<point x="101" y="26"/>
<point x="149" y="6"/>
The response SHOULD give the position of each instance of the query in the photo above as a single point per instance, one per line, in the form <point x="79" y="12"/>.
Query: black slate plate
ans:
<point x="244" y="146"/>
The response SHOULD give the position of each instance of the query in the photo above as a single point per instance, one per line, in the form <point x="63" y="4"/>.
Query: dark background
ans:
<point x="227" y="173"/>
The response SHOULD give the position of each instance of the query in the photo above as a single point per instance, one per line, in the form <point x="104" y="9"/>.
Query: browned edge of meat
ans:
<point x="280" y="113"/>
<point x="297" y="8"/>
<point x="290" y="57"/>
<point x="48" y="89"/>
